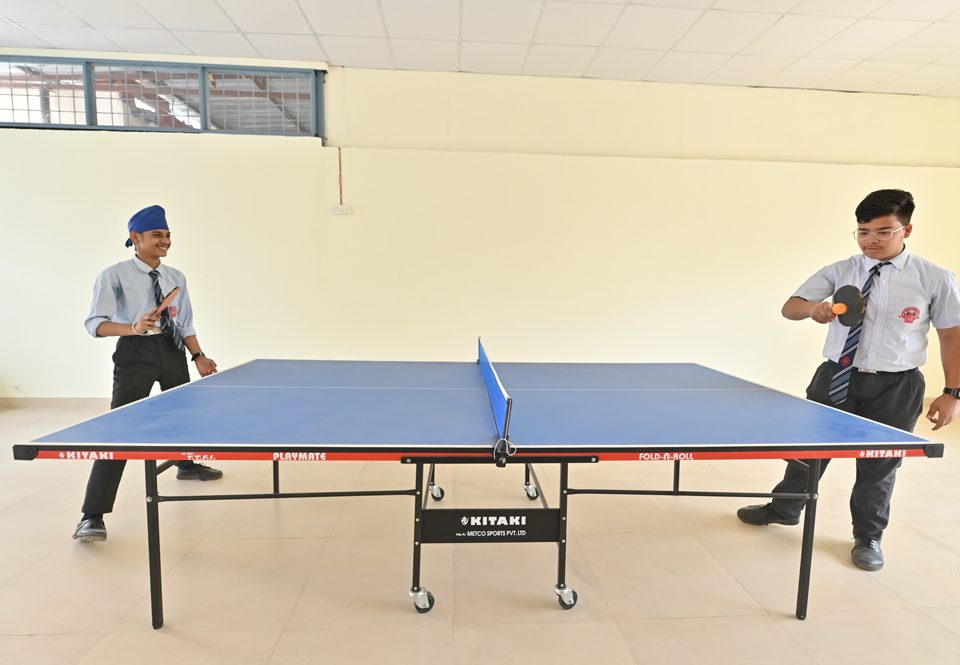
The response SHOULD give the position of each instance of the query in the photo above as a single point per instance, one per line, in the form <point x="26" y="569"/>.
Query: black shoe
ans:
<point x="866" y="553"/>
<point x="198" y="472"/>
<point x="91" y="528"/>
<point x="763" y="514"/>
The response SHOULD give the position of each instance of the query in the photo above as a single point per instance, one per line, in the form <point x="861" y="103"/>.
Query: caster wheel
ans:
<point x="423" y="603"/>
<point x="436" y="493"/>
<point x="532" y="492"/>
<point x="568" y="599"/>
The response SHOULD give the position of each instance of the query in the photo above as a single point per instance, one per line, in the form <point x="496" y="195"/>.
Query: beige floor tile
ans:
<point x="945" y="534"/>
<point x="168" y="645"/>
<point x="766" y="562"/>
<point x="365" y="582"/>
<point x="948" y="617"/>
<point x="50" y="513"/>
<point x="484" y="473"/>
<point x="919" y="499"/>
<point x="314" y="476"/>
<point x="278" y="518"/>
<point x="45" y="649"/>
<point x="891" y="637"/>
<point x="490" y="495"/>
<point x="504" y="583"/>
<point x="372" y="645"/>
<point x="755" y="640"/>
<point x="18" y="555"/>
<point x="768" y="568"/>
<point x="14" y="493"/>
<point x="663" y="576"/>
<point x="594" y="513"/>
<point x="81" y="587"/>
<point x="391" y="474"/>
<point x="523" y="643"/>
<point x="375" y="517"/>
<point x="920" y="570"/>
<point x="232" y="585"/>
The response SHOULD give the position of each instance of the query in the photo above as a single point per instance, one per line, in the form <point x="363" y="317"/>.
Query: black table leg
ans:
<point x="423" y="600"/>
<point x="806" y="551"/>
<point x="153" y="542"/>
<point x="566" y="596"/>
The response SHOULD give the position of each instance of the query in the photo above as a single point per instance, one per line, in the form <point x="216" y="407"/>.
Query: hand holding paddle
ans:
<point x="149" y="322"/>
<point x="848" y="305"/>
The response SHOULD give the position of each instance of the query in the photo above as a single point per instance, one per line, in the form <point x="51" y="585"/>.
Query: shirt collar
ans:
<point x="143" y="267"/>
<point x="898" y="262"/>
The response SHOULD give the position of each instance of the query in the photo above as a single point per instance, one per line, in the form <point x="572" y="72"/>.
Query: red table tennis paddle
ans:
<point x="849" y="305"/>
<point x="167" y="300"/>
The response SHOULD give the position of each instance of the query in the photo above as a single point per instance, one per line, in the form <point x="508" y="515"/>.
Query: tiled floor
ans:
<point x="660" y="580"/>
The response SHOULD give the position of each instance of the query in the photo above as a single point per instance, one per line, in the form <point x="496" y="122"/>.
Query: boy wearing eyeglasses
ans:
<point x="871" y="368"/>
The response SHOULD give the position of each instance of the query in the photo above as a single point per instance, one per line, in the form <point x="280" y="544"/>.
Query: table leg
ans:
<point x="806" y="551"/>
<point x="565" y="595"/>
<point x="423" y="600"/>
<point x="153" y="542"/>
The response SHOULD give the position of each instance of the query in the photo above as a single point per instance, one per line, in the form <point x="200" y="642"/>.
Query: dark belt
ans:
<point x="858" y="370"/>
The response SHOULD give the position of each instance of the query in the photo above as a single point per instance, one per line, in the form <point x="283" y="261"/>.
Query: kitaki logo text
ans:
<point x="494" y="520"/>
<point x="86" y="454"/>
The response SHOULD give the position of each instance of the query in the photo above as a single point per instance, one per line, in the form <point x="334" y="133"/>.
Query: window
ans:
<point x="259" y="102"/>
<point x="41" y="93"/>
<point x="146" y="96"/>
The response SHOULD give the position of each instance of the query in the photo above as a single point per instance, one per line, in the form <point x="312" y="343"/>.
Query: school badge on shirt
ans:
<point x="910" y="314"/>
<point x="173" y="311"/>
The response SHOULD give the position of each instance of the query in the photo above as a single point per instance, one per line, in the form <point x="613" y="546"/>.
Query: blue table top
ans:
<point x="286" y="404"/>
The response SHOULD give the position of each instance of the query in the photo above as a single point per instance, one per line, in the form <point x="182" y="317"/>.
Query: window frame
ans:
<point x="316" y="80"/>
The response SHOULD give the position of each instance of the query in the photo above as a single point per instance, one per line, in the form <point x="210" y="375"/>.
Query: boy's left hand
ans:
<point x="943" y="411"/>
<point x="206" y="366"/>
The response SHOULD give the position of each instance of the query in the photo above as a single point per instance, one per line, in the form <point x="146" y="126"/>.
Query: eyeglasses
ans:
<point x="879" y="234"/>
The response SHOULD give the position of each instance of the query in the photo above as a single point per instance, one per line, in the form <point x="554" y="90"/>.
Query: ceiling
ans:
<point x="890" y="46"/>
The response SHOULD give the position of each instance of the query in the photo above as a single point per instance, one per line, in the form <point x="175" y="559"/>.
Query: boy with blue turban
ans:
<point x="150" y="349"/>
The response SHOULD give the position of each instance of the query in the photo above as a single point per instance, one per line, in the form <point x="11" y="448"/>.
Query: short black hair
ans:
<point x="885" y="202"/>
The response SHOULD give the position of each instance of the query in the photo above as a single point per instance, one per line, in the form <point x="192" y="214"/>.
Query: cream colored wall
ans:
<point x="547" y="256"/>
<point x="444" y="111"/>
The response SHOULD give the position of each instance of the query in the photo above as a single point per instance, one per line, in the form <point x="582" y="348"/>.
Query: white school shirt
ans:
<point x="905" y="299"/>
<point x="124" y="292"/>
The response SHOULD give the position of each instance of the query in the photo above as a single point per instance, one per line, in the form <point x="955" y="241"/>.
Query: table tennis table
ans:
<point x="426" y="414"/>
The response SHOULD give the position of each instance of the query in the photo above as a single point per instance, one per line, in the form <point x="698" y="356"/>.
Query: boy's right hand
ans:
<point x="148" y="322"/>
<point x="822" y="312"/>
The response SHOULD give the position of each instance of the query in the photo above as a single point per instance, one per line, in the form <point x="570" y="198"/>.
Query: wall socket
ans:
<point x="340" y="209"/>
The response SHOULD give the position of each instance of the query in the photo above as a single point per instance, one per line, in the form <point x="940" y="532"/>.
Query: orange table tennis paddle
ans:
<point x="849" y="305"/>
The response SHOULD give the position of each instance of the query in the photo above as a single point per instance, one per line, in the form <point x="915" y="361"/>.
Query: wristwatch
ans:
<point x="953" y="392"/>
<point x="198" y="354"/>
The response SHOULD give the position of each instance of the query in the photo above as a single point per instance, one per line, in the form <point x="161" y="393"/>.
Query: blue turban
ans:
<point x="148" y="219"/>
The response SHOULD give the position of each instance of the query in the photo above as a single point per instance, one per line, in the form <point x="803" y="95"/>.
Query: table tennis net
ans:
<point x="500" y="401"/>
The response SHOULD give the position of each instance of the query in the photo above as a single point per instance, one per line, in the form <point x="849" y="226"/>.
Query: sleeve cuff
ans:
<point x="92" y="325"/>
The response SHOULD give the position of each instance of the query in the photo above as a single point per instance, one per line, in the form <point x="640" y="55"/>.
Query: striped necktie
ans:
<point x="840" y="383"/>
<point x="167" y="326"/>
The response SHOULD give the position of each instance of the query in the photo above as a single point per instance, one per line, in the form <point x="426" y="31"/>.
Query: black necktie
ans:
<point x="167" y="326"/>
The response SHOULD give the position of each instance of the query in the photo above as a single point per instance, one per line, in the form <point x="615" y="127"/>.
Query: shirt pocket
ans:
<point x="907" y="316"/>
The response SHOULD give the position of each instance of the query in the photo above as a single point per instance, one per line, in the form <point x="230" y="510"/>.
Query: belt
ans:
<point x="861" y="370"/>
<point x="880" y="371"/>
